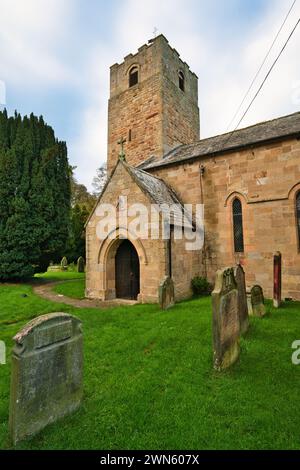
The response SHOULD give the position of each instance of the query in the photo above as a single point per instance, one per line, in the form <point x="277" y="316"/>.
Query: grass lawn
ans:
<point x="74" y="289"/>
<point x="149" y="382"/>
<point x="60" y="276"/>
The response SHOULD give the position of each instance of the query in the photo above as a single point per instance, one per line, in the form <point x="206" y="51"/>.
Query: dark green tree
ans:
<point x="100" y="180"/>
<point x="35" y="195"/>
<point x="82" y="203"/>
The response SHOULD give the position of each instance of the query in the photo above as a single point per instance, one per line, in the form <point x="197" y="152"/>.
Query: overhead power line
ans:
<point x="263" y="83"/>
<point x="263" y="63"/>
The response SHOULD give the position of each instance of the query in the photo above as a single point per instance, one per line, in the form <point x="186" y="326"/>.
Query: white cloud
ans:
<point x="89" y="148"/>
<point x="224" y="73"/>
<point x="33" y="32"/>
<point x="133" y="26"/>
<point x="30" y="32"/>
<point x="2" y="93"/>
<point x="222" y="96"/>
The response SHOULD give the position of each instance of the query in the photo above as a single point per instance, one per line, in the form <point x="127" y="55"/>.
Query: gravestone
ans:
<point x="47" y="366"/>
<point x="166" y="293"/>
<point x="256" y="302"/>
<point x="239" y="275"/>
<point x="54" y="268"/>
<point x="226" y="322"/>
<point x="64" y="264"/>
<point x="80" y="265"/>
<point x="277" y="279"/>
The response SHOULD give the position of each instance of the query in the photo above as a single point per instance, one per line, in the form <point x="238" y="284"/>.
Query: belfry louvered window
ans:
<point x="238" y="234"/>
<point x="298" y="216"/>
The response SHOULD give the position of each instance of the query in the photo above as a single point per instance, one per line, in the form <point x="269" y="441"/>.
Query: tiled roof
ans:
<point x="254" y="135"/>
<point x="161" y="194"/>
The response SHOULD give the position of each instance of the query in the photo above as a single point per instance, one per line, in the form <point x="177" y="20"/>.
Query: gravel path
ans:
<point x="46" y="291"/>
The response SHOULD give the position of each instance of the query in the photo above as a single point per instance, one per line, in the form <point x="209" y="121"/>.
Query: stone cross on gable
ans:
<point x="155" y="32"/>
<point x="122" y="154"/>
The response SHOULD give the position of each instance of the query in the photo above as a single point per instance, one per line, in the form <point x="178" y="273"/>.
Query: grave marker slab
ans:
<point x="256" y="302"/>
<point x="166" y="293"/>
<point x="226" y="322"/>
<point x="47" y="367"/>
<point x="239" y="275"/>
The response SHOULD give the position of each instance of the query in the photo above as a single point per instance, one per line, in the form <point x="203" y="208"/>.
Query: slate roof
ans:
<point x="277" y="129"/>
<point x="160" y="193"/>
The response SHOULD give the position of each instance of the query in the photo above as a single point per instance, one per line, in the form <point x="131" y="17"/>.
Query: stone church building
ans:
<point x="248" y="182"/>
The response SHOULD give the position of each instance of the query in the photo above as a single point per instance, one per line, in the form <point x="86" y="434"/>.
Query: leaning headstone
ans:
<point x="64" y="264"/>
<point x="80" y="265"/>
<point x="239" y="275"/>
<point x="47" y="366"/>
<point x="166" y="293"/>
<point x="277" y="279"/>
<point x="256" y="302"/>
<point x="226" y="322"/>
<point x="249" y="302"/>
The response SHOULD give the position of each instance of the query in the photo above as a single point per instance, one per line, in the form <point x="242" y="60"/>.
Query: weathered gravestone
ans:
<point x="54" y="268"/>
<point x="239" y="275"/>
<point x="47" y="366"/>
<point x="226" y="322"/>
<point x="256" y="302"/>
<point x="277" y="279"/>
<point x="80" y="265"/>
<point x="166" y="293"/>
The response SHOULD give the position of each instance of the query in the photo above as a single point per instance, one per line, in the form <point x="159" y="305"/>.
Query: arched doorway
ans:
<point x="127" y="271"/>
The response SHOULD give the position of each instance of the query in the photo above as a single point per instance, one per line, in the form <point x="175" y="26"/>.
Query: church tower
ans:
<point x="153" y="104"/>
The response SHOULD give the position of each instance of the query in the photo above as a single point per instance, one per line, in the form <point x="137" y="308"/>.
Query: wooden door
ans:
<point x="127" y="271"/>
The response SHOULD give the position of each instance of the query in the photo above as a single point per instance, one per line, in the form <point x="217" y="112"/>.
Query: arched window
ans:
<point x="181" y="81"/>
<point x="238" y="233"/>
<point x="133" y="76"/>
<point x="298" y="216"/>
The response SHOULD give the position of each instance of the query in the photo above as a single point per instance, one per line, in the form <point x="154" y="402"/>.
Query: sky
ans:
<point x="55" y="57"/>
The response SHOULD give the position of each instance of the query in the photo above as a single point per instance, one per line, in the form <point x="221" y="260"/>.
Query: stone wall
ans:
<point x="185" y="265"/>
<point x="153" y="254"/>
<point x="181" y="124"/>
<point x="266" y="178"/>
<point x="155" y="115"/>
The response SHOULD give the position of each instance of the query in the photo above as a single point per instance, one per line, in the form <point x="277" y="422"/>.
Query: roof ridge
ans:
<point x="146" y="173"/>
<point x="280" y="128"/>
<point x="261" y="123"/>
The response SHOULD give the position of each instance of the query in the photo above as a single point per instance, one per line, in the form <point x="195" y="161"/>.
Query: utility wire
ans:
<point x="264" y="81"/>
<point x="263" y="63"/>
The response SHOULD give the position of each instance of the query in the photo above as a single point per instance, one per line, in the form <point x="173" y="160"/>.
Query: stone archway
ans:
<point x="127" y="271"/>
<point x="107" y="262"/>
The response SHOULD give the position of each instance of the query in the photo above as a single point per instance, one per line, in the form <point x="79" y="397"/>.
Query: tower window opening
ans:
<point x="133" y="77"/>
<point x="181" y="81"/>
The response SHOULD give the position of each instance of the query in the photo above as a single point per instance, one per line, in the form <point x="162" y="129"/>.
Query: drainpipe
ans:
<point x="202" y="172"/>
<point x="170" y="251"/>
